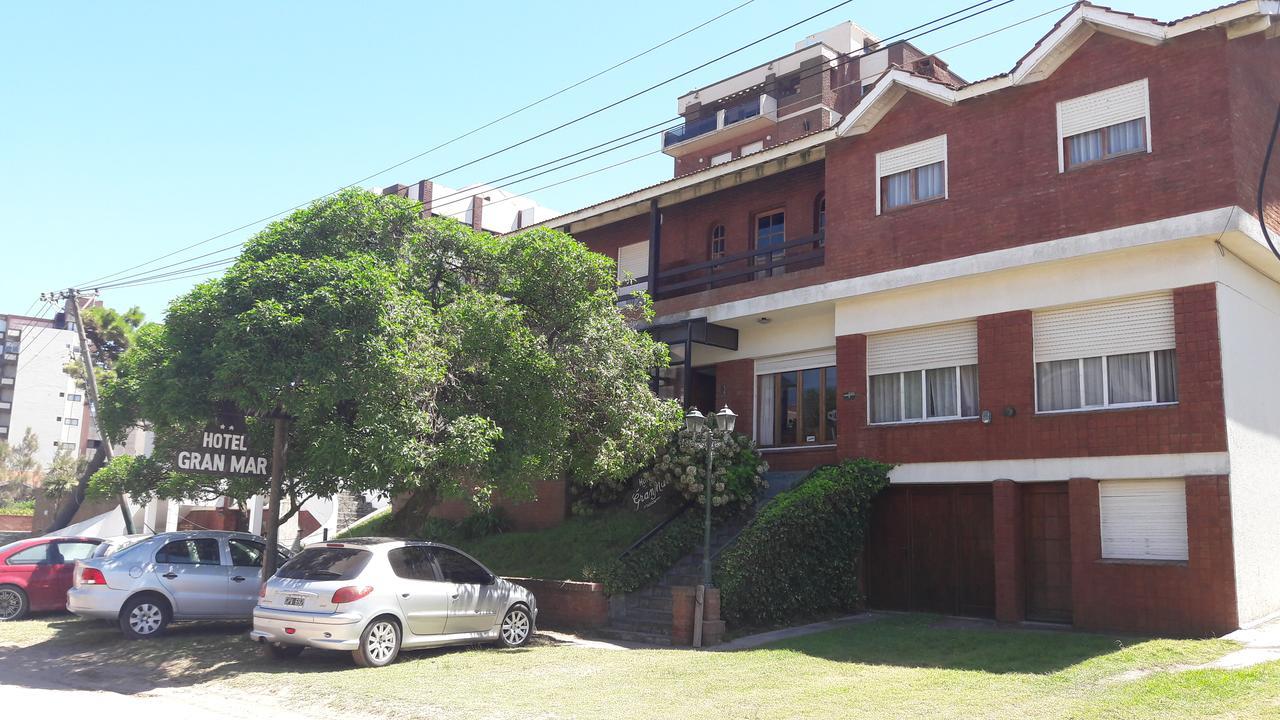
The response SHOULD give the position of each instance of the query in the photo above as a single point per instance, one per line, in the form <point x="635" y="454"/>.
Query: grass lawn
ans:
<point x="899" y="667"/>
<point x="563" y="552"/>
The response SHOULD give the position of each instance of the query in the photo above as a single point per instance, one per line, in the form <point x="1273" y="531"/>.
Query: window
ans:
<point x="820" y="218"/>
<point x="1143" y="519"/>
<point x="756" y="146"/>
<point x="722" y="158"/>
<point x="1111" y="353"/>
<point x="771" y="229"/>
<point x="326" y="563"/>
<point x="71" y="421"/>
<point x="68" y="446"/>
<point x="413" y="563"/>
<point x="1103" y="125"/>
<point x="70" y="552"/>
<point x="797" y="407"/>
<point x="75" y="397"/>
<point x="247" y="553"/>
<point x="911" y="174"/>
<point x="457" y="568"/>
<point x="717" y="242"/>
<point x="927" y="373"/>
<point x="34" y="555"/>
<point x="633" y="265"/>
<point x="197" y="551"/>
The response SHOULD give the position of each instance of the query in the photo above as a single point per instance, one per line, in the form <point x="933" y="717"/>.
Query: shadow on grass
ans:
<point x="919" y="641"/>
<point x="89" y="655"/>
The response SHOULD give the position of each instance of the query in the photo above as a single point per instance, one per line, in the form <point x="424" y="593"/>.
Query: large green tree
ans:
<point x="413" y="356"/>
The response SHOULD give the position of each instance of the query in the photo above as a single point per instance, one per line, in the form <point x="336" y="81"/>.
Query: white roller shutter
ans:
<point x="1143" y="519"/>
<point x="1102" y="109"/>
<point x="633" y="261"/>
<point x="925" y="152"/>
<point x="923" y="348"/>
<point x="796" y="361"/>
<point x="1113" y="327"/>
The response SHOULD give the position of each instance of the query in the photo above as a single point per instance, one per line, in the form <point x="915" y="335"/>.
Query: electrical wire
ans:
<point x="1262" y="184"/>
<point x="881" y="45"/>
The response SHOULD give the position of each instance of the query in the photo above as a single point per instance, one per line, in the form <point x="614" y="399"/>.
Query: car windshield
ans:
<point x="326" y="563"/>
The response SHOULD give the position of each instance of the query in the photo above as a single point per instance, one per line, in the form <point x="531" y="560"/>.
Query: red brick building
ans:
<point x="1044" y="296"/>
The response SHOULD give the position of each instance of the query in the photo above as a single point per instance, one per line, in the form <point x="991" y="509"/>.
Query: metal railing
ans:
<point x="656" y="529"/>
<point x="761" y="262"/>
<point x="690" y="130"/>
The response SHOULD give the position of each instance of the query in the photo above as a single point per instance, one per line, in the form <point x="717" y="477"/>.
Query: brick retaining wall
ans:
<point x="568" y="604"/>
<point x="18" y="523"/>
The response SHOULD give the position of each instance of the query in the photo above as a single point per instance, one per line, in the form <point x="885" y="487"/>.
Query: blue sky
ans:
<point x="133" y="129"/>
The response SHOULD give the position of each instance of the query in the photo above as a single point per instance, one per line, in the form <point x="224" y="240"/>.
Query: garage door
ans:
<point x="931" y="549"/>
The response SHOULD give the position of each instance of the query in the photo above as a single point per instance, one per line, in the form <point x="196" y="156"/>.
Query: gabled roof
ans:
<point x="1048" y="54"/>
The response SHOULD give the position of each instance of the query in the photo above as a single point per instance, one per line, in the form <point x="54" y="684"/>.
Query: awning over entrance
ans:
<point x="680" y="381"/>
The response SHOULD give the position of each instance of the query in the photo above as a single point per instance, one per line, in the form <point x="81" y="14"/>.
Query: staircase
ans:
<point x="351" y="507"/>
<point x="644" y="616"/>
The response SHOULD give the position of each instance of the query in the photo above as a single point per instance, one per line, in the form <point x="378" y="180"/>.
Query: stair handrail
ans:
<point x="655" y="529"/>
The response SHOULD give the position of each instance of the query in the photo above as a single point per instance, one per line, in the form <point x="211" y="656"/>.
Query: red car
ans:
<point x="35" y="574"/>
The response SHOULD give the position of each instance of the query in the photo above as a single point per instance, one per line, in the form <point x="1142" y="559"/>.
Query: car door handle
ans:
<point x="238" y="578"/>
<point x="454" y="597"/>
<point x="169" y="575"/>
<point x="404" y="594"/>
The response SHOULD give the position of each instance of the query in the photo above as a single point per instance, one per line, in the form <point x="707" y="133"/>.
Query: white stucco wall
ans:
<point x="1249" y="325"/>
<point x="37" y="402"/>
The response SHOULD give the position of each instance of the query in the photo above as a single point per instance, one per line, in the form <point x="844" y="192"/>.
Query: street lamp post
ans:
<point x="698" y="424"/>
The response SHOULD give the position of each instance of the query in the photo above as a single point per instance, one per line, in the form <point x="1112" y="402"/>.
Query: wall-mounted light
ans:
<point x="849" y="395"/>
<point x="764" y="320"/>
<point x="986" y="417"/>
<point x="1009" y="411"/>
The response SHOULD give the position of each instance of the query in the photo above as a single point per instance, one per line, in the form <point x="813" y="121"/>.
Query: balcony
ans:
<point x="758" y="264"/>
<point x="13" y="333"/>
<point x="11" y="357"/>
<point x="740" y="120"/>
<point x="6" y="381"/>
<point x="6" y="405"/>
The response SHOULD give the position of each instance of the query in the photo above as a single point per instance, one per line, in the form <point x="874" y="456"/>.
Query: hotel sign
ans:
<point x="224" y="450"/>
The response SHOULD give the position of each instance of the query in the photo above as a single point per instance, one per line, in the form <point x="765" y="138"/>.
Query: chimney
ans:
<point x="396" y="189"/>
<point x="424" y="194"/>
<point x="477" y="212"/>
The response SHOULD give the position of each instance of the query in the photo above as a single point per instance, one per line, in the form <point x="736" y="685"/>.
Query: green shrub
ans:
<point x="19" y="507"/>
<point x="738" y="476"/>
<point x="439" y="530"/>
<point x="377" y="525"/>
<point x="492" y="520"/>
<point x="648" y="562"/>
<point x="799" y="556"/>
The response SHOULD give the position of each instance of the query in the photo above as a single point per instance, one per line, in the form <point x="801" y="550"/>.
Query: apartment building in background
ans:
<point x="35" y="392"/>
<point x="1044" y="296"/>
<point x="481" y="207"/>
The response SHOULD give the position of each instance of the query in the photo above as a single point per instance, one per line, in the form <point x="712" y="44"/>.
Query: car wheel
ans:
<point x="144" y="616"/>
<point x="379" y="644"/>
<point x="276" y="651"/>
<point x="517" y="626"/>
<point x="13" y="603"/>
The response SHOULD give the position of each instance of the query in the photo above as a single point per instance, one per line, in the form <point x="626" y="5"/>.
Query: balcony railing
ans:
<point x="757" y="106"/>
<point x="790" y="256"/>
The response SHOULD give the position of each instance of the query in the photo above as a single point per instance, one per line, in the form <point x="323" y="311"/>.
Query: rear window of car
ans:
<point x="326" y="564"/>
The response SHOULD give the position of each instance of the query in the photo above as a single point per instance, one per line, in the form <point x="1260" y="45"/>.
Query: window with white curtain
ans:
<point x="927" y="373"/>
<point x="911" y="174"/>
<point x="1105" y="354"/>
<point x="1103" y="125"/>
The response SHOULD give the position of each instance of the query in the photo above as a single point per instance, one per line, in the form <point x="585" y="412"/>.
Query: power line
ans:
<point x="446" y="143"/>
<point x="881" y="45"/>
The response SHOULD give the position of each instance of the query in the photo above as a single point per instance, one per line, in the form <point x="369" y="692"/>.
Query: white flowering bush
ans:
<point x="737" y="478"/>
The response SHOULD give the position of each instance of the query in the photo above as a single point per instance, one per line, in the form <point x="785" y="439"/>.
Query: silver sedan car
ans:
<point x="143" y="586"/>
<point x="374" y="596"/>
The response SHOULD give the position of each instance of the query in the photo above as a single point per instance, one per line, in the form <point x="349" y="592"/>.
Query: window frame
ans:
<point x="797" y="440"/>
<point x="438" y="550"/>
<point x="718" y="235"/>
<point x="218" y="547"/>
<point x="1107" y="154"/>
<point x="755" y="242"/>
<point x="1106" y="385"/>
<point x="923" y="373"/>
<point x="914" y="188"/>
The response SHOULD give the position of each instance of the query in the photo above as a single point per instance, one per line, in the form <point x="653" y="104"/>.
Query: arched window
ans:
<point x="717" y="242"/>
<point x="820" y="218"/>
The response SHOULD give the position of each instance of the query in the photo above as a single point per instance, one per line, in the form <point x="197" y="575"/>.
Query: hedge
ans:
<point x="799" y="556"/>
<point x="647" y="563"/>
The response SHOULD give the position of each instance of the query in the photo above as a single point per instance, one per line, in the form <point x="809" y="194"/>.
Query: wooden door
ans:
<point x="1047" y="539"/>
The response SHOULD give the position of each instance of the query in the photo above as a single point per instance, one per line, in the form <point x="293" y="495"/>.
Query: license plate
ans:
<point x="294" y="600"/>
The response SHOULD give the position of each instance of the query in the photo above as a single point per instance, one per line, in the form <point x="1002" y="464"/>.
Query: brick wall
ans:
<point x="1006" y="378"/>
<point x="735" y="387"/>
<point x="216" y="519"/>
<point x="16" y="523"/>
<point x="1254" y="65"/>
<point x="564" y="604"/>
<point x="1195" y="598"/>
<point x="549" y="509"/>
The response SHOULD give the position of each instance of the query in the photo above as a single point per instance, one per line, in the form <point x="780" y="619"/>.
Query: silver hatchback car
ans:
<point x="202" y="575"/>
<point x="374" y="596"/>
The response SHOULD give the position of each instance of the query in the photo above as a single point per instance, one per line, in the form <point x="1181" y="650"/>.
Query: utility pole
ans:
<point x="72" y="298"/>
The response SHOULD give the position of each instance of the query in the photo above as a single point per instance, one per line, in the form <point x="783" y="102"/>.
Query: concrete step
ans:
<point x="631" y="636"/>
<point x="661" y="604"/>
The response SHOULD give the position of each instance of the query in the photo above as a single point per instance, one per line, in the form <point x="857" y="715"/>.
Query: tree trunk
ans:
<point x="67" y="510"/>
<point x="408" y="519"/>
